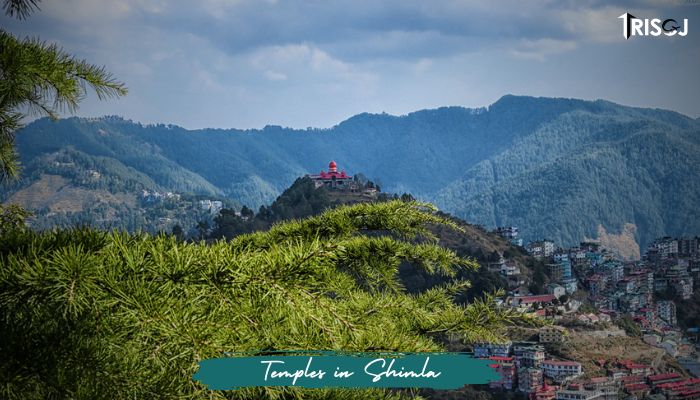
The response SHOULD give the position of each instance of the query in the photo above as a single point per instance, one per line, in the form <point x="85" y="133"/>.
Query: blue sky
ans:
<point x="301" y="63"/>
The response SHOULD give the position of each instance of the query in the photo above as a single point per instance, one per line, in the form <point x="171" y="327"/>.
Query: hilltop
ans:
<point x="556" y="168"/>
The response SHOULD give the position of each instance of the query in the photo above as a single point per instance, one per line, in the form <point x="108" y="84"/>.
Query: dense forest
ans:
<point x="556" y="168"/>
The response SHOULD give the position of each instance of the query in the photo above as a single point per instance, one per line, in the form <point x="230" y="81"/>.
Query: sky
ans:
<point x="315" y="63"/>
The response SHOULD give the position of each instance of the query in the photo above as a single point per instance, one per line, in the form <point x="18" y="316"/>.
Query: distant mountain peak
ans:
<point x="555" y="167"/>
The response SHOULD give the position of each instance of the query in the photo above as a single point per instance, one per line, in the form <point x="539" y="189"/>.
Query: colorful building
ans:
<point x="529" y="379"/>
<point x="505" y="368"/>
<point x="333" y="179"/>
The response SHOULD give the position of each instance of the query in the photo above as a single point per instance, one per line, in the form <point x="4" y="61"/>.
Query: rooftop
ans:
<point x="661" y="377"/>
<point x="566" y="363"/>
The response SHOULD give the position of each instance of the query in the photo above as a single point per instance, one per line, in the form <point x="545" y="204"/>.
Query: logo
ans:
<point x="633" y="26"/>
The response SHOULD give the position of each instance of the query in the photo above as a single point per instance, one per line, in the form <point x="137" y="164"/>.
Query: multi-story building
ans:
<point x="631" y="302"/>
<point x="561" y="371"/>
<point x="505" y="368"/>
<point x="544" y="392"/>
<point x="541" y="249"/>
<point x="665" y="246"/>
<point x="683" y="287"/>
<point x="595" y="260"/>
<point x="556" y="271"/>
<point x="688" y="247"/>
<point x="484" y="350"/>
<point x="510" y="268"/>
<point x="666" y="311"/>
<point x="627" y="285"/>
<point x="637" y="390"/>
<point x="608" y="387"/>
<point x="611" y="268"/>
<point x="552" y="334"/>
<point x="529" y="379"/>
<point x="530" y="356"/>
<point x="510" y="233"/>
<point x="597" y="283"/>
<point x="660" y="284"/>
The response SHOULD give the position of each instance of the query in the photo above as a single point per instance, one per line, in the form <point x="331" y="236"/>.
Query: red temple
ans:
<point x="332" y="178"/>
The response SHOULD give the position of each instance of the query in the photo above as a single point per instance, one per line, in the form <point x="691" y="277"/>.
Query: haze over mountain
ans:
<point x="556" y="168"/>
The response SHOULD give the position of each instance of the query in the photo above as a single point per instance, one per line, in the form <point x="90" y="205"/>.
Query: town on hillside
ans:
<point x="590" y="292"/>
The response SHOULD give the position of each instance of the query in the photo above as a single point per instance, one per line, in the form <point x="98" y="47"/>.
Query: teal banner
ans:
<point x="327" y="369"/>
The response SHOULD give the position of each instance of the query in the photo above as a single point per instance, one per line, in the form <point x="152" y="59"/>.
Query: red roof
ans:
<point x="677" y="384"/>
<point x="662" y="377"/>
<point x="632" y="378"/>
<point x="636" y="386"/>
<point x="629" y="364"/>
<point x="688" y="392"/>
<point x="499" y="358"/>
<point x="332" y="173"/>
<point x="542" y="298"/>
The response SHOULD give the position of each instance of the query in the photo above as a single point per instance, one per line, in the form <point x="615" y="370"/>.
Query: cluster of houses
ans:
<point x="675" y="263"/>
<point x="154" y="196"/>
<point x="213" y="206"/>
<point x="525" y="367"/>
<point x="643" y="290"/>
<point x="614" y="287"/>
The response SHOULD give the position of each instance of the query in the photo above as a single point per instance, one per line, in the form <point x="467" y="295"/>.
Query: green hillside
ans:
<point x="583" y="169"/>
<point x="554" y="167"/>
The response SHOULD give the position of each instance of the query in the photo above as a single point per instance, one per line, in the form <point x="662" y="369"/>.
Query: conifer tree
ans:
<point x="42" y="79"/>
<point x="89" y="314"/>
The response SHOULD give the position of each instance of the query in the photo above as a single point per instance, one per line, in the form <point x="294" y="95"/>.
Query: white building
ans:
<point x="556" y="290"/>
<point x="482" y="350"/>
<point x="541" y="248"/>
<point x="561" y="370"/>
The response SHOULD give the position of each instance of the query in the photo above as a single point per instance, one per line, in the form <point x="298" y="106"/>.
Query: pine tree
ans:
<point x="43" y="79"/>
<point x="88" y="314"/>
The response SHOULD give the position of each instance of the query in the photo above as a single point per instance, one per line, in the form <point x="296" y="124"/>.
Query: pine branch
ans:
<point x="21" y="9"/>
<point x="45" y="80"/>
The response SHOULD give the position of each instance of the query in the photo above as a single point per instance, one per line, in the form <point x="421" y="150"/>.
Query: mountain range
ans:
<point x="562" y="169"/>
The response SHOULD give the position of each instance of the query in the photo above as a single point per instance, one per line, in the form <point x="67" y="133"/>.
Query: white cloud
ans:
<point x="275" y="76"/>
<point x="312" y="63"/>
<point x="540" y="49"/>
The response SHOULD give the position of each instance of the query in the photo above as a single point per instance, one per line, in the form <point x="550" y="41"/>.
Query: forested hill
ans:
<point x="557" y="168"/>
<point x="302" y="199"/>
